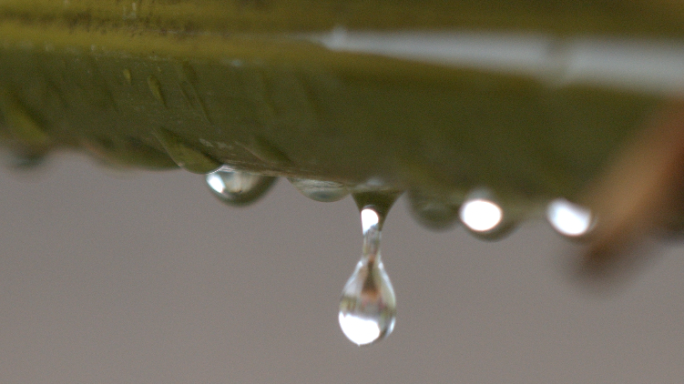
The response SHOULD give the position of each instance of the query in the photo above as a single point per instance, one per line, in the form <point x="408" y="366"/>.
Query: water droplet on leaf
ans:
<point x="568" y="219"/>
<point x="238" y="188"/>
<point x="368" y="304"/>
<point x="325" y="191"/>
<point x="483" y="216"/>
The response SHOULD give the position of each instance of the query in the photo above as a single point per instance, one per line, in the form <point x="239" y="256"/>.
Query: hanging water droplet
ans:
<point x="368" y="304"/>
<point x="434" y="211"/>
<point x="325" y="191"/>
<point x="238" y="188"/>
<point x="184" y="155"/>
<point x="481" y="215"/>
<point x="569" y="219"/>
<point x="484" y="217"/>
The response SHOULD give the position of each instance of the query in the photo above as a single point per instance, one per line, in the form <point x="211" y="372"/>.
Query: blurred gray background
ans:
<point x="134" y="277"/>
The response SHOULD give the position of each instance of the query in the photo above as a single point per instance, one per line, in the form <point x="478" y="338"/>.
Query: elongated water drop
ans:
<point x="319" y="190"/>
<point x="368" y="305"/>
<point x="238" y="188"/>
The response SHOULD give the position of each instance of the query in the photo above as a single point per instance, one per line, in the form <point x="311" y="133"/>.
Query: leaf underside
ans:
<point x="228" y="80"/>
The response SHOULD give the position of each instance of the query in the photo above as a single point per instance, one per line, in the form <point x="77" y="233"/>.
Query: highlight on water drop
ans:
<point x="485" y="218"/>
<point x="568" y="219"/>
<point x="481" y="214"/>
<point x="238" y="188"/>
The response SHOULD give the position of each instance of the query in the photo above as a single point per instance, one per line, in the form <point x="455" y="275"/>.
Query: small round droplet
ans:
<point x="368" y="306"/>
<point x="433" y="212"/>
<point x="238" y="188"/>
<point x="325" y="191"/>
<point x="481" y="215"/>
<point x="569" y="219"/>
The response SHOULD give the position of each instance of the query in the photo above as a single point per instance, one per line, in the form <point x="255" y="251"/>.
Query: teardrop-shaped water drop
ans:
<point x="368" y="304"/>
<point x="319" y="190"/>
<point x="238" y="188"/>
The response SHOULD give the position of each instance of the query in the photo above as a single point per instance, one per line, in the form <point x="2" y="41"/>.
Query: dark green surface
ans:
<point x="627" y="17"/>
<point x="410" y="125"/>
<point x="223" y="81"/>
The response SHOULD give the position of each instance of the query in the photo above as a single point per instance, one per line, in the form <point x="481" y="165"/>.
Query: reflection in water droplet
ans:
<point x="434" y="212"/>
<point x="368" y="304"/>
<point x="480" y="214"/>
<point x="569" y="219"/>
<point x="325" y="191"/>
<point x="238" y="188"/>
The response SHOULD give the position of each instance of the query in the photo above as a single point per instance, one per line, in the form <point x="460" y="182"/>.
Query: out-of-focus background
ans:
<point x="134" y="277"/>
